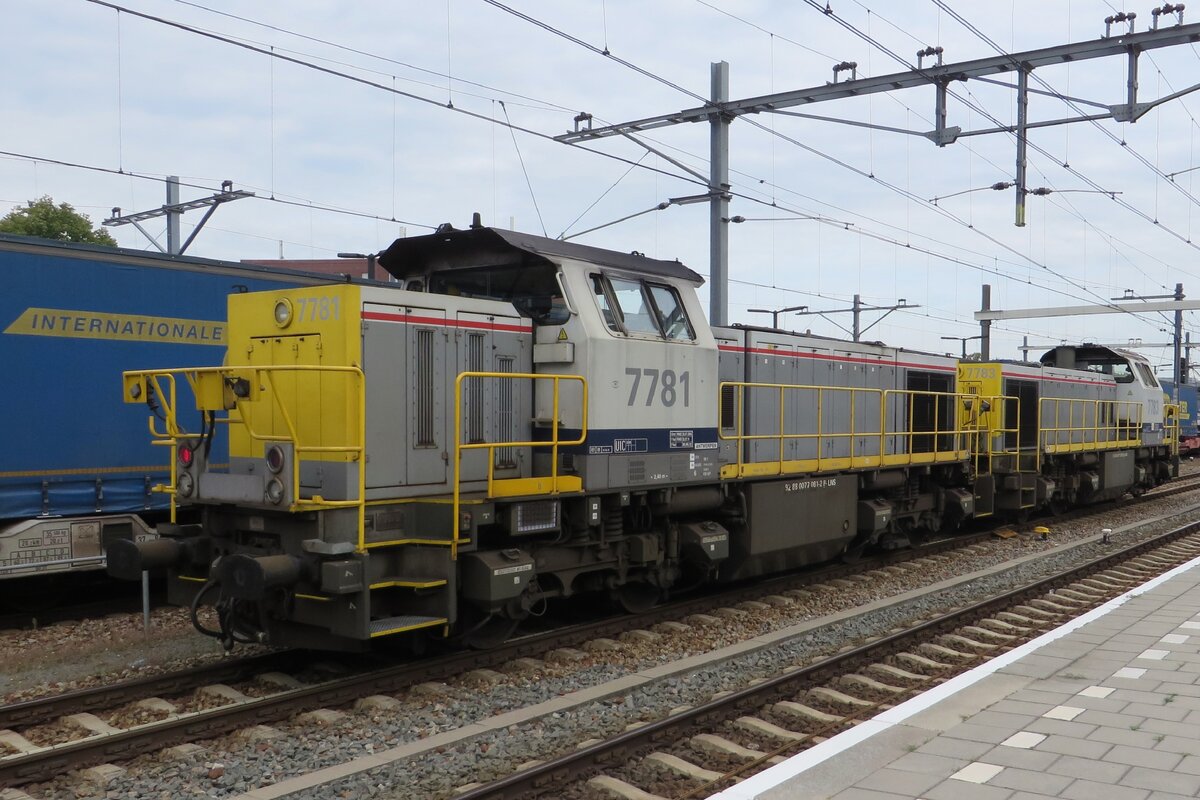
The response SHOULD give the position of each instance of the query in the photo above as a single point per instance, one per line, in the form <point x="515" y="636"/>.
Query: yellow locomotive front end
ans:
<point x="371" y="433"/>
<point x="280" y="545"/>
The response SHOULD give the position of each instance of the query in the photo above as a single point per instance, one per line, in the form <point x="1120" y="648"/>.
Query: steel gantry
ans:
<point x="719" y="111"/>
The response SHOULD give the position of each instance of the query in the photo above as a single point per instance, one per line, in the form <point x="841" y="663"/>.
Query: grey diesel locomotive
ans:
<point x="520" y="419"/>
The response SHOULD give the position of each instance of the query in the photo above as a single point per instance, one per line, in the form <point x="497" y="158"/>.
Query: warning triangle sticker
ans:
<point x="562" y="334"/>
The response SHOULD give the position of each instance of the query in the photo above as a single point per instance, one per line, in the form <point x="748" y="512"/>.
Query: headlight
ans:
<point x="185" y="484"/>
<point x="275" y="491"/>
<point x="275" y="459"/>
<point x="283" y="312"/>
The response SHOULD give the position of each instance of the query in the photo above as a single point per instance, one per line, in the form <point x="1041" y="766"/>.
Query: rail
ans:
<point x="230" y="389"/>
<point x="511" y="487"/>
<point x="926" y="428"/>
<point x="556" y="776"/>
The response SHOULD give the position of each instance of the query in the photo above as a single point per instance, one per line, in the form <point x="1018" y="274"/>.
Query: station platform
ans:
<point x="1106" y="707"/>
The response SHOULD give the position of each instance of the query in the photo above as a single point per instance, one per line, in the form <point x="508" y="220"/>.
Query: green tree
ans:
<point x="42" y="217"/>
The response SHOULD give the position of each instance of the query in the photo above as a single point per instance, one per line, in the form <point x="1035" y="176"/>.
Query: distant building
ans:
<point x="354" y="267"/>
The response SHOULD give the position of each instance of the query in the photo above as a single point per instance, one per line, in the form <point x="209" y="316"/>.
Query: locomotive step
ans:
<point x="411" y="582"/>
<point x="389" y="625"/>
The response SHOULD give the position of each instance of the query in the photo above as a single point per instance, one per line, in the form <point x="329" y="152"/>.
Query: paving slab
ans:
<point x="1107" y="706"/>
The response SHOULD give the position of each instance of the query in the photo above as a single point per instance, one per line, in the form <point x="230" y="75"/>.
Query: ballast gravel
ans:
<point x="237" y="763"/>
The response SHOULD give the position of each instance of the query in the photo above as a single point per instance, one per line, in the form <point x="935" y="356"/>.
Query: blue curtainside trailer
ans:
<point x="76" y="464"/>
<point x="1189" y="411"/>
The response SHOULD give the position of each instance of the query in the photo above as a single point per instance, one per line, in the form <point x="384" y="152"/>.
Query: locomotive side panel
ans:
<point x="651" y="365"/>
<point x="413" y="353"/>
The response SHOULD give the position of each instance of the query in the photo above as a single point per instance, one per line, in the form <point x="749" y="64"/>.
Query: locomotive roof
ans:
<point x="448" y="248"/>
<point x="1087" y="350"/>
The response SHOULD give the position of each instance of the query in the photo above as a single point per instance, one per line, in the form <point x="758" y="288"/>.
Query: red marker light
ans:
<point x="186" y="456"/>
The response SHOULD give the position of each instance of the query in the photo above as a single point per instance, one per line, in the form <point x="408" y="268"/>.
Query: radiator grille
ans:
<point x="474" y="388"/>
<point x="534" y="517"/>
<point x="424" y="365"/>
<point x="728" y="407"/>
<point x="506" y="415"/>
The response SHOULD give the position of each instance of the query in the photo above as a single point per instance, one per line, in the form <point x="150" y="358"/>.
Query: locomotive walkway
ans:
<point x="1107" y="706"/>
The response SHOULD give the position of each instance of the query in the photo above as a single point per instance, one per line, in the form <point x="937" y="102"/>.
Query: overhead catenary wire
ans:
<point x="1068" y="100"/>
<point x="535" y="133"/>
<point x="1067" y="206"/>
<point x="277" y="55"/>
<point x="857" y="230"/>
<point x="828" y="12"/>
<point x="459" y="80"/>
<point x="410" y="95"/>
<point x="524" y="170"/>
<point x="366" y="82"/>
<point x="624" y="62"/>
<point x="300" y="203"/>
<point x="603" y="194"/>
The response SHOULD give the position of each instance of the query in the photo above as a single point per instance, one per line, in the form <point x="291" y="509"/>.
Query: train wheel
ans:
<point x="637" y="597"/>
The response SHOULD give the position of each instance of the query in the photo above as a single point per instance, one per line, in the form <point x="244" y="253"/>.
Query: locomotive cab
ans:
<point x="1132" y="374"/>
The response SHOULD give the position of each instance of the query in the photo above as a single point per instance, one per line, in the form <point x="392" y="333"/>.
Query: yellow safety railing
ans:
<point x="984" y="419"/>
<point x="946" y="440"/>
<point x="237" y="388"/>
<point x="1171" y="412"/>
<point x="1089" y="424"/>
<point x="518" y="486"/>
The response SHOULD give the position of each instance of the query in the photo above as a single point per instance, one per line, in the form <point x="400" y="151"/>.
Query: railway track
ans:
<point x="700" y="750"/>
<point x="126" y="599"/>
<point x="93" y="735"/>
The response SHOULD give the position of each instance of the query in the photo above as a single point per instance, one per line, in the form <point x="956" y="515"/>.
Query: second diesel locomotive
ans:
<point x="524" y="419"/>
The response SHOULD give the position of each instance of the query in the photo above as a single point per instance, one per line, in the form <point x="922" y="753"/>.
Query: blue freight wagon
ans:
<point x="1189" y="411"/>
<point x="76" y="464"/>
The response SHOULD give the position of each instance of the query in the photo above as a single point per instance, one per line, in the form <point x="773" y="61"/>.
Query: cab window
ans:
<point x="600" y="288"/>
<point x="636" y="307"/>
<point x="1146" y="375"/>
<point x="636" y="313"/>
<point x="671" y="316"/>
<point x="1120" y="371"/>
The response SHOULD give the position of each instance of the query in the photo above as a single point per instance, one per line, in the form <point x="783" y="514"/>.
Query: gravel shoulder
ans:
<point x="233" y="765"/>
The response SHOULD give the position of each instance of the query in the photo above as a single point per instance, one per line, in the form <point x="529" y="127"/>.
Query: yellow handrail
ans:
<point x="554" y="442"/>
<point x="1171" y="420"/>
<point x="964" y="439"/>
<point x="1122" y="428"/>
<point x="989" y="426"/>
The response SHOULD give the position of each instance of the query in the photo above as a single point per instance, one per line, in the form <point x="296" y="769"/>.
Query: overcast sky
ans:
<point x="88" y="85"/>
